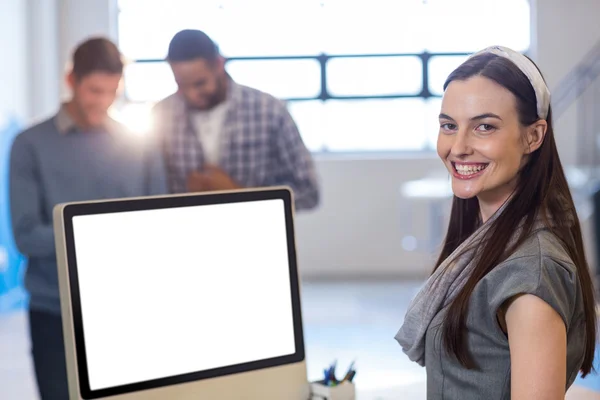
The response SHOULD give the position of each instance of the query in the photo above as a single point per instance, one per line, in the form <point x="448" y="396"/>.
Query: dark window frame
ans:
<point x="322" y="59"/>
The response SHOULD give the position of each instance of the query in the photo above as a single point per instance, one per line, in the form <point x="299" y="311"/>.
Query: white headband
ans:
<point x="542" y="93"/>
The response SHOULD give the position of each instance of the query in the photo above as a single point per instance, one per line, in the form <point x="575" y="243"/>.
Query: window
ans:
<point x="356" y="75"/>
<point x="281" y="78"/>
<point x="374" y="76"/>
<point x="476" y="24"/>
<point x="372" y="26"/>
<point x="439" y="69"/>
<point x="148" y="81"/>
<point x="341" y="126"/>
<point x="310" y="116"/>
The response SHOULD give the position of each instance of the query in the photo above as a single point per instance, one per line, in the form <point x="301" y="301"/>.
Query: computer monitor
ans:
<point x="182" y="297"/>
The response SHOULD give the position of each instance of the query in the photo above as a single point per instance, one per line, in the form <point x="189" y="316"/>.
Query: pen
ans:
<point x="332" y="379"/>
<point x="329" y="378"/>
<point x="351" y="376"/>
<point x="350" y="370"/>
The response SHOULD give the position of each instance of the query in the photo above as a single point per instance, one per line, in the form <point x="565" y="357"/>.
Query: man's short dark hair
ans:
<point x="192" y="44"/>
<point x="97" y="55"/>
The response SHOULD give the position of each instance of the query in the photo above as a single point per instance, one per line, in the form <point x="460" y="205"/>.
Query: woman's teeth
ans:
<point x="469" y="169"/>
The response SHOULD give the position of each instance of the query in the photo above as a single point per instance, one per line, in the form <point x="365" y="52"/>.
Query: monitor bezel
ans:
<point x="165" y="202"/>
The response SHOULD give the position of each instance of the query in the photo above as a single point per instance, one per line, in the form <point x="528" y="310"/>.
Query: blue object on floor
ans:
<point x="12" y="264"/>
<point x="592" y="381"/>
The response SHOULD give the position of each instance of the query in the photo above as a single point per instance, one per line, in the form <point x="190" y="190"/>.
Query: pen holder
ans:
<point x="343" y="391"/>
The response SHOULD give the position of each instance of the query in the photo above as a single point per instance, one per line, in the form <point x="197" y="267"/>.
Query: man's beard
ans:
<point x="219" y="95"/>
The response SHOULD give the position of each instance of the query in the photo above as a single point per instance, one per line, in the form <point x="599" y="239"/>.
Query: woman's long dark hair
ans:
<point x="541" y="190"/>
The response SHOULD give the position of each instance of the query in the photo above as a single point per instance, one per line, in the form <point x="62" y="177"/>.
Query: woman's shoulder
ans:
<point x="542" y="249"/>
<point x="540" y="266"/>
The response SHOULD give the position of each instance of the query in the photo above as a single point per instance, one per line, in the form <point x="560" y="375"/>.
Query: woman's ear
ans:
<point x="535" y="135"/>
<point x="70" y="80"/>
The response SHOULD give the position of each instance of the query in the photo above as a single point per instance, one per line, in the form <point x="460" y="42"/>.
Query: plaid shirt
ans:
<point x="260" y="144"/>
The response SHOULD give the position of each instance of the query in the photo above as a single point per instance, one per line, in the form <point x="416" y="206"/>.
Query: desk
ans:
<point x="437" y="192"/>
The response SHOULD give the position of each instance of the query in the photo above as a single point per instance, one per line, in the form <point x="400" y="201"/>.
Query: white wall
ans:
<point x="45" y="73"/>
<point x="564" y="31"/>
<point x="80" y="19"/>
<point x="360" y="224"/>
<point x="358" y="228"/>
<point x="14" y="84"/>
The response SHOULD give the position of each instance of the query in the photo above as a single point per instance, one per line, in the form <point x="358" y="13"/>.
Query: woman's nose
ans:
<point x="461" y="145"/>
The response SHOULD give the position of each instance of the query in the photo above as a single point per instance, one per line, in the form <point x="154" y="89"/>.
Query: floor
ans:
<point x="343" y="322"/>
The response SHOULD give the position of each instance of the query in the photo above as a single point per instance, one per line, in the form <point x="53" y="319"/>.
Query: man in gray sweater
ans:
<point x="79" y="154"/>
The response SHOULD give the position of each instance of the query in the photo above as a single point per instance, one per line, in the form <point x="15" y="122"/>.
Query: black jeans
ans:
<point x="48" y="351"/>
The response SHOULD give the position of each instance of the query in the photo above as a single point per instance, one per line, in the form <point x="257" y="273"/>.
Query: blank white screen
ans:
<point x="172" y="291"/>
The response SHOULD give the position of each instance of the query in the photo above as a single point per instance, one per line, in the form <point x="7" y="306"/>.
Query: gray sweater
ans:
<point x="540" y="267"/>
<point x="54" y="162"/>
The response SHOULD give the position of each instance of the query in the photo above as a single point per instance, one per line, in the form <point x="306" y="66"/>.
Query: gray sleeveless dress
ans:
<point x="540" y="267"/>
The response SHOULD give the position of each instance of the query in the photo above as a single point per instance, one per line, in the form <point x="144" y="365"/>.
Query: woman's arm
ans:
<point x="538" y="349"/>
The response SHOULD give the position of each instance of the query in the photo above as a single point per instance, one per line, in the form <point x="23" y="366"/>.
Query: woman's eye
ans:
<point x="448" y="127"/>
<point x="485" y="128"/>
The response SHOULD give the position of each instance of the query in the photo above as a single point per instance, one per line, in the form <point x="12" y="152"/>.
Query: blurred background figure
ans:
<point x="78" y="154"/>
<point x="219" y="135"/>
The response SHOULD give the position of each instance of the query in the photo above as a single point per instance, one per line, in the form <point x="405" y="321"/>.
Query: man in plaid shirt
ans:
<point x="219" y="135"/>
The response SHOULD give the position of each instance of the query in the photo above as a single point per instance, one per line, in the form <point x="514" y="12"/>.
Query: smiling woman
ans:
<point x="509" y="310"/>
<point x="482" y="141"/>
